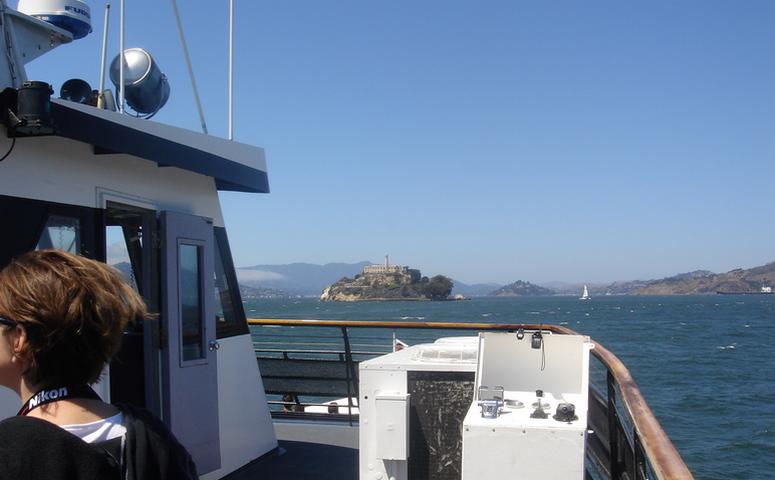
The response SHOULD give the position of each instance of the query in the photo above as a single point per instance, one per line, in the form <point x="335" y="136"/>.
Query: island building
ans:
<point x="385" y="268"/>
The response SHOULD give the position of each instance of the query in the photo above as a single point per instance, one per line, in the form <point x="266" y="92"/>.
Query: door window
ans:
<point x="190" y="294"/>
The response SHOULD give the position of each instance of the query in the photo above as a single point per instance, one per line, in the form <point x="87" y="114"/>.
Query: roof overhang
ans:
<point x="234" y="166"/>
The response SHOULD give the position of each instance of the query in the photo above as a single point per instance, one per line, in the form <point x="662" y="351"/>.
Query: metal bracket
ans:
<point x="491" y="408"/>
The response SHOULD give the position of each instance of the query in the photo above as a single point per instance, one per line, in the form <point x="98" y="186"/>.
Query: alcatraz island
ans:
<point x="388" y="282"/>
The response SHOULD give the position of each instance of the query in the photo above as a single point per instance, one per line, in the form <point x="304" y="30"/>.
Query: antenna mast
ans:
<point x="121" y="61"/>
<point x="190" y="69"/>
<point x="100" y="94"/>
<point x="231" y="69"/>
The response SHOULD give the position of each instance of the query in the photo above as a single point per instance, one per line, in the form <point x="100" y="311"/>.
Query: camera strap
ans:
<point x="49" y="395"/>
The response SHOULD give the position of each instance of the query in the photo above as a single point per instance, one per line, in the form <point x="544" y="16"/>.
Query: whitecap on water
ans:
<point x="726" y="347"/>
<point x="563" y="323"/>
<point x="586" y="314"/>
<point x="486" y="314"/>
<point x="412" y="318"/>
<point x="534" y="313"/>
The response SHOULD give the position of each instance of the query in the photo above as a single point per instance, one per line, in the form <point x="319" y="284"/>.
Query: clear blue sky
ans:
<point x="489" y="140"/>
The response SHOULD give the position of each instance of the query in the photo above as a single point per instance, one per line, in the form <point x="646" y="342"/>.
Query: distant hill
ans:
<point x="521" y="289"/>
<point x="473" y="290"/>
<point x="248" y="293"/>
<point x="566" y="288"/>
<point x="703" y="281"/>
<point x="694" y="282"/>
<point x="305" y="279"/>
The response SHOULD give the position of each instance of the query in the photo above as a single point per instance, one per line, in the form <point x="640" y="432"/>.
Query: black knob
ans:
<point x="566" y="412"/>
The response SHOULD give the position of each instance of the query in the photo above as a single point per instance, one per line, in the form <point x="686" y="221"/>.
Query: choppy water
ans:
<point x="706" y="364"/>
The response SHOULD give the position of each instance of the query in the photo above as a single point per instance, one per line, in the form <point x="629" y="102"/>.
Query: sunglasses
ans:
<point x="7" y="322"/>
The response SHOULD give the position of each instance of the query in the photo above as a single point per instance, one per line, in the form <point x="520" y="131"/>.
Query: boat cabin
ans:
<point x="143" y="197"/>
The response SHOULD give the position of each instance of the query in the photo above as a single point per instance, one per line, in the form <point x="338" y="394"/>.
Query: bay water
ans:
<point x="705" y="364"/>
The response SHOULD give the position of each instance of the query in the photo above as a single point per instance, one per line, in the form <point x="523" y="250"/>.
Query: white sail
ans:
<point x="585" y="294"/>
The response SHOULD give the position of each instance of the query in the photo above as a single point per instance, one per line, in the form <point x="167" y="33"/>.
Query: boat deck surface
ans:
<point x="302" y="461"/>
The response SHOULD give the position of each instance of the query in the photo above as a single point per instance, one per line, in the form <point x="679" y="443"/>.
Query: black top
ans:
<point x="31" y="448"/>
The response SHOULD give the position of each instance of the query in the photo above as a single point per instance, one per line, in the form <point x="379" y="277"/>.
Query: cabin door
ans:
<point x="189" y="347"/>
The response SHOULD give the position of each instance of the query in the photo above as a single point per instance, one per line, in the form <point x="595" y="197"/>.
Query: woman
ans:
<point x="61" y="320"/>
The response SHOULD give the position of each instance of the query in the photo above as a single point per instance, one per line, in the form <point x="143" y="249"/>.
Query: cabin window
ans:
<point x="62" y="233"/>
<point x="117" y="254"/>
<point x="190" y="294"/>
<point x="229" y="313"/>
<point x="41" y="224"/>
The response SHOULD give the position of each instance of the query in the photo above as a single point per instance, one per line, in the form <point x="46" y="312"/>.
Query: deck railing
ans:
<point x="626" y="441"/>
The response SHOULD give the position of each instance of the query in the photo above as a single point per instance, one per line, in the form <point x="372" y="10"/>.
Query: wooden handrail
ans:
<point x="665" y="459"/>
<point x="409" y="325"/>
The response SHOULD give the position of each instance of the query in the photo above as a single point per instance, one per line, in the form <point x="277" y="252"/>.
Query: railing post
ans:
<point x="350" y="373"/>
<point x="613" y="430"/>
<point x="637" y="460"/>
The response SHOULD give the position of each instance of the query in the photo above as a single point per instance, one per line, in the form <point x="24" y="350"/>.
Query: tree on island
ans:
<point x="437" y="288"/>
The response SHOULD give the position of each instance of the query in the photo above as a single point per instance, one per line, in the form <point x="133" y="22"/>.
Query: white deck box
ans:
<point x="514" y="445"/>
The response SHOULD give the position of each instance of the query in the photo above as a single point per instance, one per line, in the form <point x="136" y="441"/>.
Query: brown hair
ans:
<point x="74" y="311"/>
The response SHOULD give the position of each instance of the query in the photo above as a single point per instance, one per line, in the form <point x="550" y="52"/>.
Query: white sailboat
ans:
<point x="584" y="294"/>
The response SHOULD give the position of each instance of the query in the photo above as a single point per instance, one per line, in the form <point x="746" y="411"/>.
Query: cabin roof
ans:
<point x="234" y="166"/>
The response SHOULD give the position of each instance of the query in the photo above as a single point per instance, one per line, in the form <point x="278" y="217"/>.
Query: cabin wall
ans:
<point x="66" y="171"/>
<point x="240" y="407"/>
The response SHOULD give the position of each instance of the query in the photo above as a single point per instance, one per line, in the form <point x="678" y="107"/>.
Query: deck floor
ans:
<point x="302" y="461"/>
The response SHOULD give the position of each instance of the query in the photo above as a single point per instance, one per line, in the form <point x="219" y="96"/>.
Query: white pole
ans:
<point x="100" y="94"/>
<point x="121" y="61"/>
<point x="231" y="69"/>
<point x="188" y="64"/>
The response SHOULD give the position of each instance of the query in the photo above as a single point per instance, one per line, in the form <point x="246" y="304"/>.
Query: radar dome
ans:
<point x="146" y="89"/>
<point x="71" y="15"/>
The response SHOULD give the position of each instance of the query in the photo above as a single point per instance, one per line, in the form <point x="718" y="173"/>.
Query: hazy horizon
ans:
<point x="506" y="282"/>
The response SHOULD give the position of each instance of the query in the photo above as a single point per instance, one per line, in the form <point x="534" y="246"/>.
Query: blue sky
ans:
<point x="490" y="140"/>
